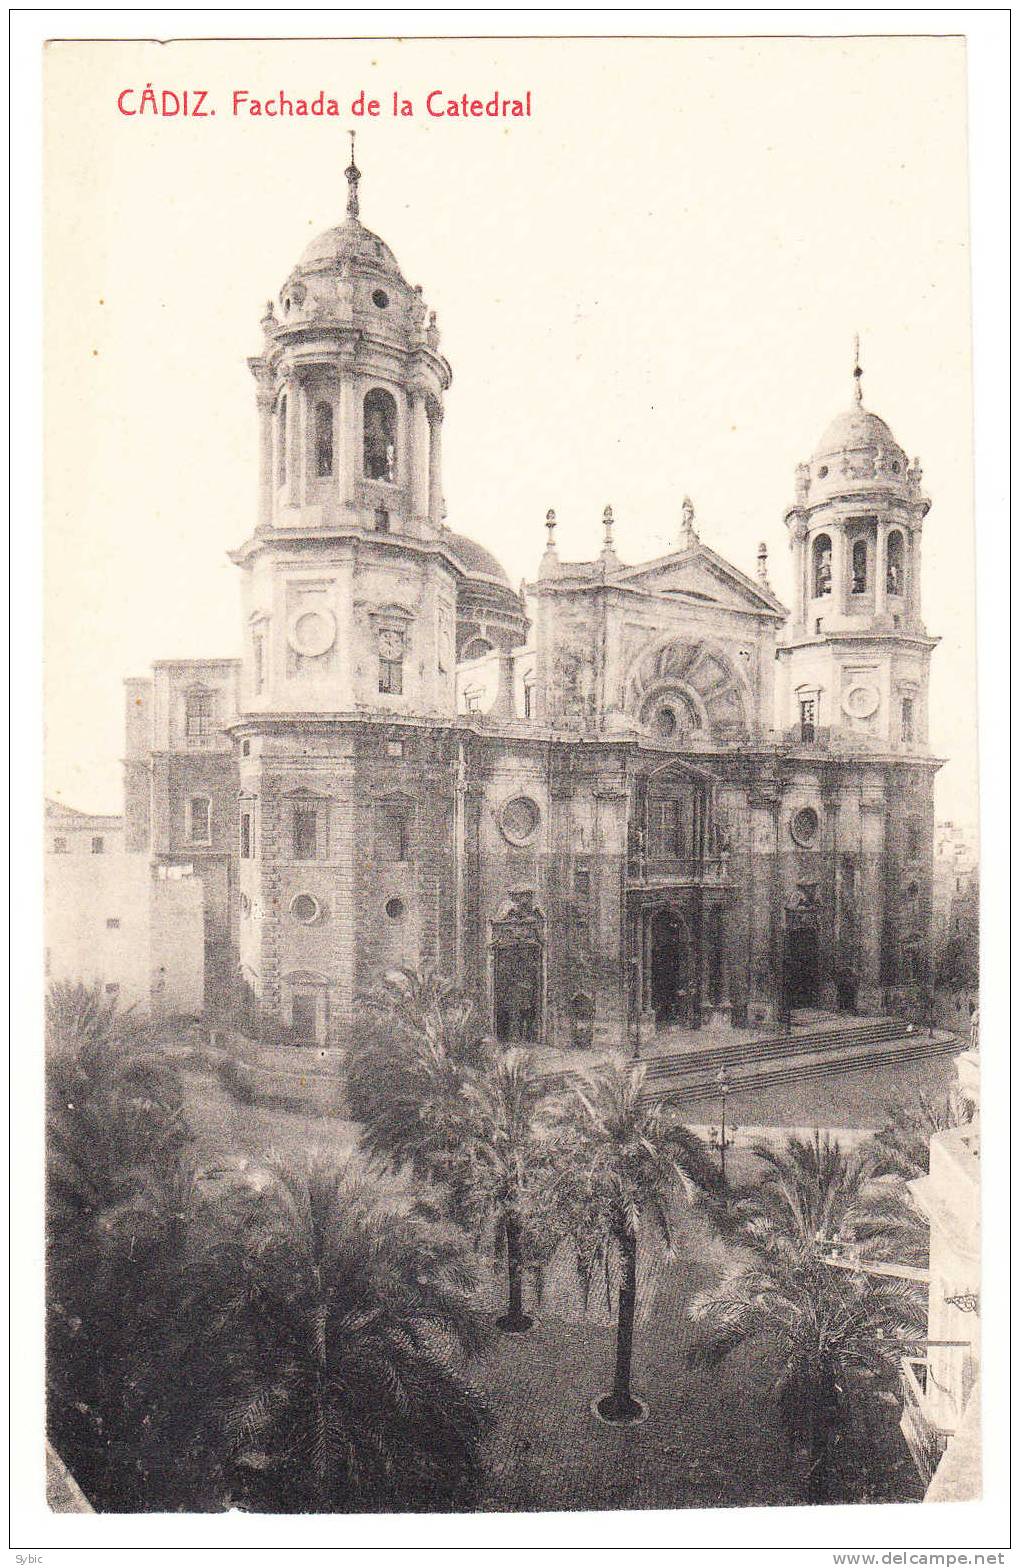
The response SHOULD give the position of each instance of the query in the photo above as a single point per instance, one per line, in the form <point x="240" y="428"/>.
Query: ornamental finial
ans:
<point x="858" y="372"/>
<point x="607" y="524"/>
<point x="690" y="537"/>
<point x="763" y="564"/>
<point x="353" y="176"/>
<point x="550" y="524"/>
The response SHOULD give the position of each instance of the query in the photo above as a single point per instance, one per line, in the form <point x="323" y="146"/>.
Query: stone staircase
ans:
<point x="810" y="1054"/>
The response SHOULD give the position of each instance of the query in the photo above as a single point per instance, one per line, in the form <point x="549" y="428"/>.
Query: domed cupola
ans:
<point x="855" y="655"/>
<point x="855" y="528"/>
<point x="350" y="390"/>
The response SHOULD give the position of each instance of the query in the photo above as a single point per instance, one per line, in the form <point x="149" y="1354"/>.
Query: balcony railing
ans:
<point x="677" y="870"/>
<point x="927" y="1442"/>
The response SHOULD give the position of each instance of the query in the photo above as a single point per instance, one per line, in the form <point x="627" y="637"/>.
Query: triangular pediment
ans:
<point x="698" y="575"/>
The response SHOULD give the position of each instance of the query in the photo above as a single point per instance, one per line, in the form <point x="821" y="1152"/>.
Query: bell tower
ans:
<point x="855" y="660"/>
<point x="349" y="595"/>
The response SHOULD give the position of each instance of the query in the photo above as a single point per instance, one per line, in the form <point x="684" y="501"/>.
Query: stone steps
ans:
<point x="803" y="1068"/>
<point x="772" y="1047"/>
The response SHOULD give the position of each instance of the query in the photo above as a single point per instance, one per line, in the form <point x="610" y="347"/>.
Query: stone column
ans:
<point x="881" y="547"/>
<point x="829" y="945"/>
<point x="871" y="902"/>
<point x="305" y="444"/>
<point x="419" y="454"/>
<point x="348" y="439"/>
<point x="264" y="401"/>
<point x="913" y="568"/>
<point x="839" y="569"/>
<point x="293" y="491"/>
<point x="436" y="468"/>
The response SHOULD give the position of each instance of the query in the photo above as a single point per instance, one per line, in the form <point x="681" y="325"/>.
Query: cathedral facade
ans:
<point x="625" y="797"/>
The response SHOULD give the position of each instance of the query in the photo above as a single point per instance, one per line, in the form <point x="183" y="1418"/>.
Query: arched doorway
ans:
<point x="518" y="992"/>
<point x="517" y="972"/>
<point x="802" y="964"/>
<point x="670" y="968"/>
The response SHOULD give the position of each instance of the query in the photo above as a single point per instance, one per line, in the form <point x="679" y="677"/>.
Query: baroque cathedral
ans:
<point x="624" y="798"/>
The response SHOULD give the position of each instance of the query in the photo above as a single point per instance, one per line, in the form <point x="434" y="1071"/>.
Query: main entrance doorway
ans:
<point x="670" y="969"/>
<point x="802" y="965"/>
<point x="518" y="992"/>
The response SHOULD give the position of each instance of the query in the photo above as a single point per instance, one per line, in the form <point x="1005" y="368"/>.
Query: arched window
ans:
<point x="894" y="563"/>
<point x="281" y="441"/>
<point x="477" y="648"/>
<point x="859" y="562"/>
<point x="323" y="440"/>
<point x="822" y="570"/>
<point x="380" y="436"/>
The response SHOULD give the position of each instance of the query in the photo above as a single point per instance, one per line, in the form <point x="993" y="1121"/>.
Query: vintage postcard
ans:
<point x="511" y="795"/>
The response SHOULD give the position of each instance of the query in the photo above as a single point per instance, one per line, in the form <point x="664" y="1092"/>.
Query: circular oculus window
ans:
<point x="860" y="702"/>
<point x="804" y="826"/>
<point x="312" y="632"/>
<point x="395" y="908"/>
<point x="519" y="819"/>
<point x="380" y="299"/>
<point x="305" y="908"/>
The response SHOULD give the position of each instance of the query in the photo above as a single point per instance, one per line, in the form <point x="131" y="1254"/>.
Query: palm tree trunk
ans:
<point x="516" y="1320"/>
<point x="621" y="1404"/>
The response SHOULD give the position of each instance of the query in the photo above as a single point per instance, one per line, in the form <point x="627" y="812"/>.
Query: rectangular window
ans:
<point x="391" y="676"/>
<point x="113" y="924"/>
<point x="247" y="836"/>
<point x="391" y="835"/>
<point x="582" y="884"/>
<point x="306" y="833"/>
<point x="913" y="839"/>
<point x="258" y="653"/>
<point x="665" y="828"/>
<point x="528" y="699"/>
<point x="807" y="719"/>
<point x="199" y="813"/>
<point x="473" y="701"/>
<point x="200" y="723"/>
<point x="98" y="845"/>
<point x="394" y="748"/>
<point x="907" y="720"/>
<point x="60" y="846"/>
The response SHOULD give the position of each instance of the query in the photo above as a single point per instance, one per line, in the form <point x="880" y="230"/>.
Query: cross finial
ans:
<point x="353" y="176"/>
<point x="858" y="372"/>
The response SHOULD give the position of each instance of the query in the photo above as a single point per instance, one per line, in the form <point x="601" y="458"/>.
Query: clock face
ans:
<point x="391" y="644"/>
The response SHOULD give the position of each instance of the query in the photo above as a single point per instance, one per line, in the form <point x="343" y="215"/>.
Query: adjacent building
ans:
<point x="625" y="796"/>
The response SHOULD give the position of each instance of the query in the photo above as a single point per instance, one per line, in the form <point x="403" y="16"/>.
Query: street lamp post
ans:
<point x="724" y="1090"/>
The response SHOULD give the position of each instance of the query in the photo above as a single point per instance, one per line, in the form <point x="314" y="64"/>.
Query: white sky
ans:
<point x="649" y="289"/>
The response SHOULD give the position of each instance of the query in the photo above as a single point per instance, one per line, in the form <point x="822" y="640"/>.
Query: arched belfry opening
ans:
<point x="380" y="436"/>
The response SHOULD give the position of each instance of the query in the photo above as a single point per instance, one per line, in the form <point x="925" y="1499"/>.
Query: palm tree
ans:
<point x="119" y="1197"/>
<point x="902" y="1144"/>
<point x="406" y="1070"/>
<point x="832" y="1332"/>
<point x="508" y="1176"/>
<point x="633" y="1158"/>
<point x="343" y="1329"/>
